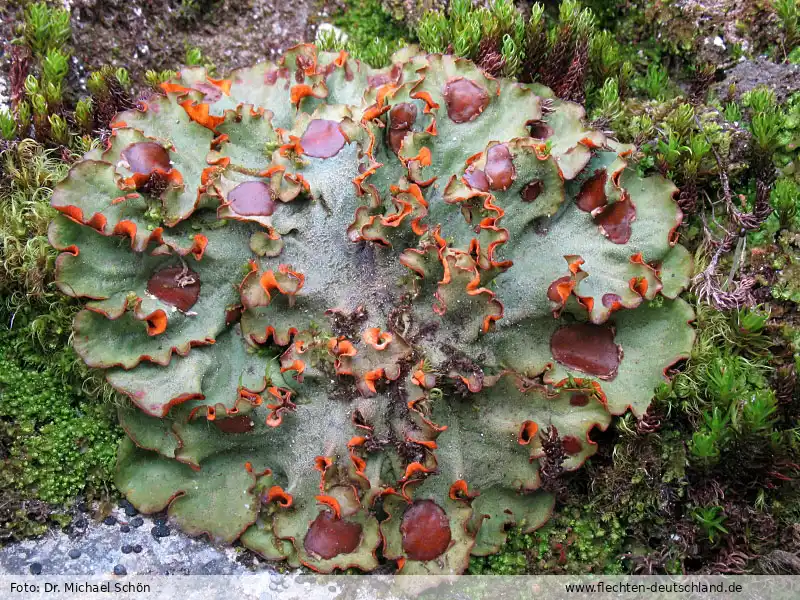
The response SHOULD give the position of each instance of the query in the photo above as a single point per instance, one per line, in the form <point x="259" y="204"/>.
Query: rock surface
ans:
<point x="784" y="79"/>
<point x="101" y="550"/>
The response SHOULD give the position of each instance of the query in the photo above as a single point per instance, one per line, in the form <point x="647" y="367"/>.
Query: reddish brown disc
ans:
<point x="426" y="530"/>
<point x="401" y="120"/>
<point x="571" y="444"/>
<point x="146" y="158"/>
<point x="615" y="221"/>
<point x="539" y="129"/>
<point x="176" y="287"/>
<point x="396" y="137"/>
<point x="587" y="348"/>
<point x="252" y="198"/>
<point x="402" y="116"/>
<point x="465" y="99"/>
<point x="500" y="167"/>
<point x="532" y="191"/>
<point x="593" y="192"/>
<point x="579" y="400"/>
<point x="328" y="536"/>
<point x="235" y="424"/>
<point x="322" y="139"/>
<point x="476" y="179"/>
<point x="233" y="314"/>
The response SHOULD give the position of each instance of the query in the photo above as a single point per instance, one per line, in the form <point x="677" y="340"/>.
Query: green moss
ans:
<point x="58" y="434"/>
<point x="62" y="443"/>
<point x="574" y="541"/>
<point x="26" y="258"/>
<point x="45" y="28"/>
<point x="513" y="559"/>
<point x="373" y="34"/>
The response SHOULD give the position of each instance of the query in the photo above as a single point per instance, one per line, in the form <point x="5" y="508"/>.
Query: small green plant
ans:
<point x="705" y="446"/>
<point x="670" y="149"/>
<point x="759" y="413"/>
<point x="193" y="56"/>
<point x="59" y="130"/>
<point x="53" y="95"/>
<point x="375" y="52"/>
<point x="8" y="125"/>
<point x="331" y="40"/>
<point x="609" y="106"/>
<point x="154" y="79"/>
<point x="502" y="42"/>
<point x="45" y="28"/>
<point x="434" y="32"/>
<point x="767" y="120"/>
<point x="84" y="114"/>
<point x="681" y="120"/>
<point x="751" y="321"/>
<point x="31" y="86"/>
<point x="711" y="520"/>
<point x="96" y="84"/>
<point x="27" y="260"/>
<point x="123" y="78"/>
<point x="785" y="198"/>
<point x="55" y="66"/>
<point x="789" y="15"/>
<point x="655" y="82"/>
<point x="733" y="113"/>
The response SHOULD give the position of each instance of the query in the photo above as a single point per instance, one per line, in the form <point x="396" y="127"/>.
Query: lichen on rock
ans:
<point x="328" y="288"/>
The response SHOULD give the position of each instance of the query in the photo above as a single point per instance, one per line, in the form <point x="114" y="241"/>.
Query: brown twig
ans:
<point x="706" y="284"/>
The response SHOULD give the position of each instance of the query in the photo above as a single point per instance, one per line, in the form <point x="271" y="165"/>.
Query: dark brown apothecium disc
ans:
<point x="539" y="129"/>
<point x="235" y="424"/>
<point x="615" y="220"/>
<point x="426" y="530"/>
<point x="145" y="158"/>
<point x="322" y="139"/>
<point x="532" y="190"/>
<point x="401" y="120"/>
<point x="476" y="179"/>
<point x="500" y="167"/>
<point x="587" y="348"/>
<point x="252" y="198"/>
<point x="465" y="99"/>
<point x="175" y="286"/>
<point x="328" y="536"/>
<point x="592" y="194"/>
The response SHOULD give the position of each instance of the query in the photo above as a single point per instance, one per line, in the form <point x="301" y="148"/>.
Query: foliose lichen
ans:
<point x="351" y="305"/>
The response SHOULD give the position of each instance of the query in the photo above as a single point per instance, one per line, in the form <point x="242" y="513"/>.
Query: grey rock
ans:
<point x="100" y="552"/>
<point x="784" y="78"/>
